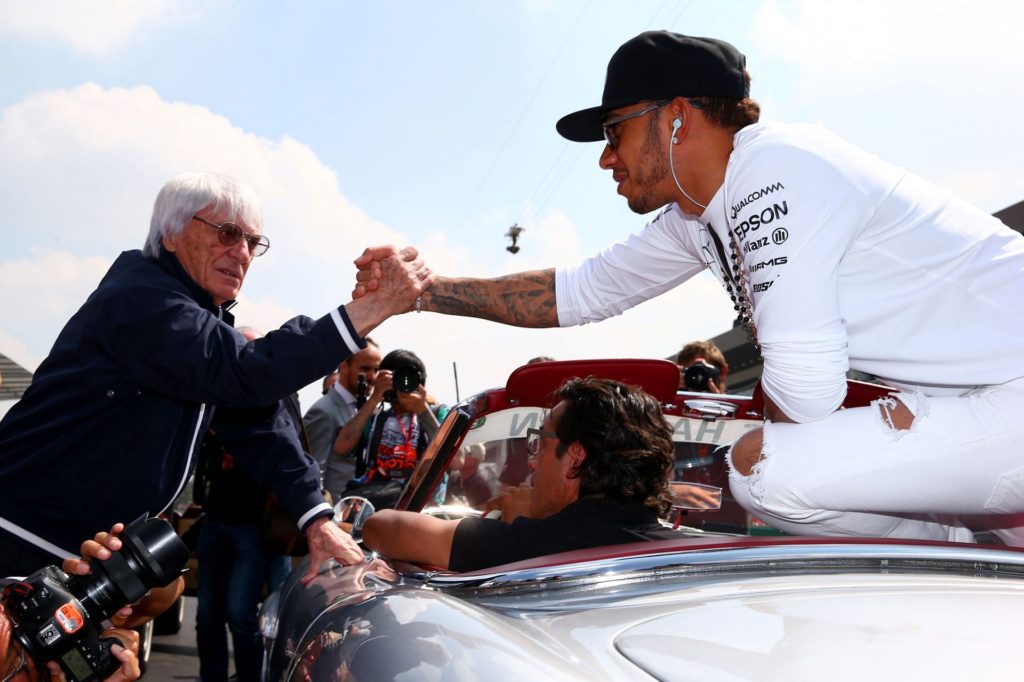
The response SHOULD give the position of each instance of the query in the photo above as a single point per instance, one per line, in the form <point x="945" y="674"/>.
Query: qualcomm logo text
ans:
<point x="754" y="196"/>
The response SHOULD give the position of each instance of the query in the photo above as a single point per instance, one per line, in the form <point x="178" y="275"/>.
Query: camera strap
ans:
<point x="376" y="430"/>
<point x="33" y="539"/>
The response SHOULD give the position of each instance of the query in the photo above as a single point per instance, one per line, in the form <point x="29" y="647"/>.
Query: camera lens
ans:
<point x="407" y="379"/>
<point x="696" y="376"/>
<point x="151" y="555"/>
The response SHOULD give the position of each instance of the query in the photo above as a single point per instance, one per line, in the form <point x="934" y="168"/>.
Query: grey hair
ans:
<point x="186" y="194"/>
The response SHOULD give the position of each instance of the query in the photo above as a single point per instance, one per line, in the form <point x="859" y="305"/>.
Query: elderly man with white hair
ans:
<point x="110" y="427"/>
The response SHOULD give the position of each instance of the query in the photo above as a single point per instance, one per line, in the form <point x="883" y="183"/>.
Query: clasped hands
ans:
<point x="387" y="269"/>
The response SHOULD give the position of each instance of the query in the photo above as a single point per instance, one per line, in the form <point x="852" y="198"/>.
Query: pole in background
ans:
<point x="455" y="371"/>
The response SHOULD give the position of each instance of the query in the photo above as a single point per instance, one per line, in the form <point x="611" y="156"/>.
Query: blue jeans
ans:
<point x="279" y="567"/>
<point x="232" y="569"/>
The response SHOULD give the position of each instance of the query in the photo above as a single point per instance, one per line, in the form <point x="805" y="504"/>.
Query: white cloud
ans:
<point x="78" y="176"/>
<point x="926" y="85"/>
<point x="41" y="292"/>
<point x="910" y="41"/>
<point x="93" y="28"/>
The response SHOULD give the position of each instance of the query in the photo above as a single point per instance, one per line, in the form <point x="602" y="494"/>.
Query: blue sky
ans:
<point x="433" y="124"/>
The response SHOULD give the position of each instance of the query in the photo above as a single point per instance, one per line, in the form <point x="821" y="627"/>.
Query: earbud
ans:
<point x="677" y="123"/>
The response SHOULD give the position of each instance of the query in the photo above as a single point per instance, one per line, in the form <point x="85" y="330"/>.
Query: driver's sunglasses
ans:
<point x="533" y="437"/>
<point x="608" y="127"/>
<point x="230" y="234"/>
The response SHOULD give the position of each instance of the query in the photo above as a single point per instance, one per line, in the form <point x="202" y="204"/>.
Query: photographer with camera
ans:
<point x="50" y="621"/>
<point x="395" y="438"/>
<point x="342" y="404"/>
<point x="702" y="367"/>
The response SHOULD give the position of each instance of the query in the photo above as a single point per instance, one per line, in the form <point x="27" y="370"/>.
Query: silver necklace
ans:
<point x="735" y="280"/>
<point x="740" y="294"/>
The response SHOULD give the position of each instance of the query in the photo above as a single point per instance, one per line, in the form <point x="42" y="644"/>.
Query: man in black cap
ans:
<point x="834" y="260"/>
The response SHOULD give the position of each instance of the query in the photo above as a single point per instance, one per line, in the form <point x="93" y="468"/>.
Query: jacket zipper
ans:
<point x="192" y="445"/>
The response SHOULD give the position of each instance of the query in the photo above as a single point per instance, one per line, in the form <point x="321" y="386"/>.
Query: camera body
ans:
<point x="405" y="379"/>
<point x="53" y="624"/>
<point x="695" y="377"/>
<point x="57" y="617"/>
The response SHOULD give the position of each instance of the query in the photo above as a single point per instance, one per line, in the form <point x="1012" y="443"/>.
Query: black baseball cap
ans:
<point x="661" y="65"/>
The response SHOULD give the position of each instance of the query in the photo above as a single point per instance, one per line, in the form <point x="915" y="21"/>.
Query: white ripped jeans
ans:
<point x="960" y="467"/>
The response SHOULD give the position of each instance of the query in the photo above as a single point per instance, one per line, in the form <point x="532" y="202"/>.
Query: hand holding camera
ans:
<point x="381" y="387"/>
<point x="56" y="616"/>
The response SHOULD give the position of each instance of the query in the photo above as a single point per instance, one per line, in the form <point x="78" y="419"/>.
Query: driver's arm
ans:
<point x="409" y="536"/>
<point x="524" y="299"/>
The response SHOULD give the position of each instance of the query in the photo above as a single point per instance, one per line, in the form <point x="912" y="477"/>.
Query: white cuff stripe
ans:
<point x="346" y="334"/>
<point x="311" y="513"/>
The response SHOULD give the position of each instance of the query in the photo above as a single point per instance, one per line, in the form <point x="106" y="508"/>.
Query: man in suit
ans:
<point x="334" y="410"/>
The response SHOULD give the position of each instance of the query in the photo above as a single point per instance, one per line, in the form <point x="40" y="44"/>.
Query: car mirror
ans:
<point x="351" y="513"/>
<point x="695" y="496"/>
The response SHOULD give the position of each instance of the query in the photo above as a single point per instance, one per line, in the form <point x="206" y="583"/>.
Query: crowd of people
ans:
<point x="834" y="260"/>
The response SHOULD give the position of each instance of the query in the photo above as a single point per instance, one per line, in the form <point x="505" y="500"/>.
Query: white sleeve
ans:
<point x="647" y="264"/>
<point x="793" y="239"/>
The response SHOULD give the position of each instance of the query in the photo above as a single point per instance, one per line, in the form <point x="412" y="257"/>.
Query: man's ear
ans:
<point x="576" y="454"/>
<point x="170" y="243"/>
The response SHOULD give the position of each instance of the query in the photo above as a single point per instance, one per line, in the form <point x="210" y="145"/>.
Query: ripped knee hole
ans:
<point x="746" y="452"/>
<point x="895" y="414"/>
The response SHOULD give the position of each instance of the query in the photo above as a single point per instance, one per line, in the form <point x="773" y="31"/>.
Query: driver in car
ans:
<point x="600" y="464"/>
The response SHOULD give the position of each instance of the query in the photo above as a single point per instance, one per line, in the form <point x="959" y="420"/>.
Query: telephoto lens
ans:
<point x="152" y="555"/>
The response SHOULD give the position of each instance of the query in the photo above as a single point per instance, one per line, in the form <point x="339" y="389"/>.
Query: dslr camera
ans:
<point x="695" y="377"/>
<point x="405" y="379"/>
<point x="57" y="617"/>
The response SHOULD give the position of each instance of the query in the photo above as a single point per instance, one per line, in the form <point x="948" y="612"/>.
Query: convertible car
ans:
<point x="713" y="604"/>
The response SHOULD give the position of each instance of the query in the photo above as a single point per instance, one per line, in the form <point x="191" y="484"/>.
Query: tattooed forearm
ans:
<point x="525" y="299"/>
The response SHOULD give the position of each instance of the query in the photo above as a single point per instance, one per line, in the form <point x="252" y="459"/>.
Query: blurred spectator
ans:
<point x="540" y="358"/>
<point x="328" y="415"/>
<point x="234" y="562"/>
<point x="709" y="360"/>
<point x="394" y="439"/>
<point x="329" y="381"/>
<point x="467" y="484"/>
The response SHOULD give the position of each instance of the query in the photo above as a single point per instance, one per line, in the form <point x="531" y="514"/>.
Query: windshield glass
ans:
<point x="492" y="456"/>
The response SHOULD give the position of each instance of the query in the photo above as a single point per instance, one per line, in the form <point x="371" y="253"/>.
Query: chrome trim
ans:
<point x="719" y="396"/>
<point x="736" y="561"/>
<point x="715" y="408"/>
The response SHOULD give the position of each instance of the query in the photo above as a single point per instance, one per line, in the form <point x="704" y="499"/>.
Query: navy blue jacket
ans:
<point x="114" y="418"/>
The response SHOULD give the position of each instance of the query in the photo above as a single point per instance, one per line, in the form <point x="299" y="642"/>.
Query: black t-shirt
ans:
<point x="589" y="522"/>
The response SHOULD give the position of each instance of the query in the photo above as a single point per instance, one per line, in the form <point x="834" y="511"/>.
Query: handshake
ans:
<point x="389" y="281"/>
<point x="391" y="271"/>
